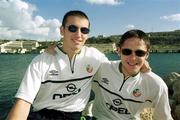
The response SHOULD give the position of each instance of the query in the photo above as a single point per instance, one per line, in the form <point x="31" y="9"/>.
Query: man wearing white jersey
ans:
<point x="122" y="91"/>
<point x="58" y="86"/>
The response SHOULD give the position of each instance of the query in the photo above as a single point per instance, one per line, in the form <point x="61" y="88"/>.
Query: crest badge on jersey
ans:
<point x="89" y="68"/>
<point x="136" y="92"/>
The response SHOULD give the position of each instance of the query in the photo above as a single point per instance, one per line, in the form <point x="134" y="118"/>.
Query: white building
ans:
<point x="18" y="46"/>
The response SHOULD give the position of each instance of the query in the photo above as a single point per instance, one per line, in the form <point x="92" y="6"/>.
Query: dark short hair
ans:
<point x="137" y="34"/>
<point x="74" y="13"/>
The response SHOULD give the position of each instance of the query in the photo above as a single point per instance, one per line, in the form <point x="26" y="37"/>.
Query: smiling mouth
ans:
<point x="130" y="64"/>
<point x="76" y="41"/>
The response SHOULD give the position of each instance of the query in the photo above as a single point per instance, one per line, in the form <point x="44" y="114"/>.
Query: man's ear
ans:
<point x="118" y="50"/>
<point x="62" y="31"/>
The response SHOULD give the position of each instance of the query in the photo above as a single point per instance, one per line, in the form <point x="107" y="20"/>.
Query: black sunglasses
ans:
<point x="139" y="53"/>
<point x="74" y="28"/>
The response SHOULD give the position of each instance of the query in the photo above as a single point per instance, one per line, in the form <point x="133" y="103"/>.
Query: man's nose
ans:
<point x="133" y="56"/>
<point x="78" y="32"/>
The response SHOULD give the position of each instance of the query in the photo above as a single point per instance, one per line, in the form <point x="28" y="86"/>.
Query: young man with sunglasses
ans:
<point x="58" y="86"/>
<point x="122" y="91"/>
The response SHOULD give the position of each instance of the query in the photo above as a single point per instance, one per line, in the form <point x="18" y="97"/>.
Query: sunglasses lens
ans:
<point x="126" y="51"/>
<point x="140" y="53"/>
<point x="84" y="30"/>
<point x="72" y="28"/>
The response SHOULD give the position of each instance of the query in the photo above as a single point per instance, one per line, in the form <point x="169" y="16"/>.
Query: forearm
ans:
<point x="162" y="108"/>
<point x="19" y="111"/>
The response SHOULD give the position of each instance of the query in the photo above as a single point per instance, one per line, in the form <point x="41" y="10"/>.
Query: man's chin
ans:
<point x="77" y="49"/>
<point x="134" y="72"/>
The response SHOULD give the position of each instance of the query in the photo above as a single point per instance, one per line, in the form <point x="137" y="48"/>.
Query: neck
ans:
<point x="70" y="52"/>
<point x="125" y="72"/>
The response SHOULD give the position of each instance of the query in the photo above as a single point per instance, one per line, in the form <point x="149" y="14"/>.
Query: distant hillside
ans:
<point x="156" y="38"/>
<point x="165" y="38"/>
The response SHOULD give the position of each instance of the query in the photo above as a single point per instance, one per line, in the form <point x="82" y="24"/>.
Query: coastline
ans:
<point x="110" y="48"/>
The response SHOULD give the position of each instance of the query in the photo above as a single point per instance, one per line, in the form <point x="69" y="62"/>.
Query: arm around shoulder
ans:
<point x="20" y="110"/>
<point x="162" y="108"/>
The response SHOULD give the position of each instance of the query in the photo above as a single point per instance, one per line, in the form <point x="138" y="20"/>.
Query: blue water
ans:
<point x="13" y="67"/>
<point x="161" y="63"/>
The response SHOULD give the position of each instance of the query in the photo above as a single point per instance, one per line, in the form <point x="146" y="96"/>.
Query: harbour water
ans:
<point x="13" y="67"/>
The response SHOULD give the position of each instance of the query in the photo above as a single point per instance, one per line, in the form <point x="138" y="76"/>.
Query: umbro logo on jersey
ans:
<point x="53" y="72"/>
<point x="136" y="92"/>
<point x="105" y="80"/>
